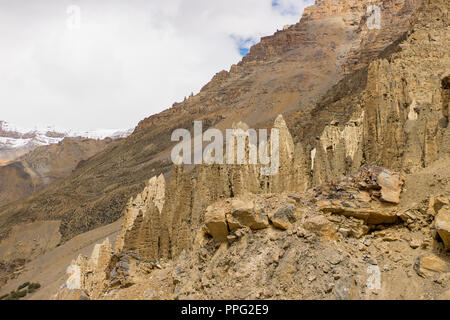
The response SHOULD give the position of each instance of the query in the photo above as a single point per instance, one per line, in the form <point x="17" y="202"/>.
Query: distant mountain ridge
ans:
<point x="16" y="141"/>
<point x="9" y="130"/>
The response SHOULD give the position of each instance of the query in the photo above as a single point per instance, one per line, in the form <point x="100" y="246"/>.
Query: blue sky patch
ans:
<point x="244" y="51"/>
<point x="243" y="44"/>
<point x="291" y="8"/>
<point x="284" y="9"/>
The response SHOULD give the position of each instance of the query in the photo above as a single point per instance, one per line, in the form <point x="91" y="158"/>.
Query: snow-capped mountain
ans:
<point x="16" y="141"/>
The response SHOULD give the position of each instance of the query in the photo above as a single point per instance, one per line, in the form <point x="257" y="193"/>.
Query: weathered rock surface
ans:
<point x="363" y="195"/>
<point x="216" y="222"/>
<point x="247" y="214"/>
<point x="89" y="274"/>
<point x="442" y="225"/>
<point x="318" y="255"/>
<point x="146" y="206"/>
<point x="429" y="265"/>
<point x="321" y="226"/>
<point x="284" y="216"/>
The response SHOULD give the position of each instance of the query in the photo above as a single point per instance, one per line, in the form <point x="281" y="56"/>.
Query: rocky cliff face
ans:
<point x="399" y="120"/>
<point x="296" y="66"/>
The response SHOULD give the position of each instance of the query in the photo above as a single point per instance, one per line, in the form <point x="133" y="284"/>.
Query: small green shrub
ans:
<point x="13" y="296"/>
<point x="26" y="284"/>
<point x="16" y="295"/>
<point x="21" y="294"/>
<point x="34" y="286"/>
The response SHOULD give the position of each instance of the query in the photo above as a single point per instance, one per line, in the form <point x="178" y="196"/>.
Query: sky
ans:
<point x="92" y="64"/>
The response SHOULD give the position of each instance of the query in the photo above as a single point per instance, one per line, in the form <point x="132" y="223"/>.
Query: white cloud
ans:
<point x="128" y="60"/>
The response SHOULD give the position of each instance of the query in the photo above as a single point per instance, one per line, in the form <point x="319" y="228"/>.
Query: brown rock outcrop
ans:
<point x="442" y="225"/>
<point x="245" y="213"/>
<point x="139" y="232"/>
<point x="88" y="275"/>
<point x="321" y="226"/>
<point x="231" y="247"/>
<point x="364" y="195"/>
<point x="428" y="265"/>
<point x="216" y="222"/>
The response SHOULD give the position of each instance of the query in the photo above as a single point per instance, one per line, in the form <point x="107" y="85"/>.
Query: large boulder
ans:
<point x="321" y="226"/>
<point x="216" y="222"/>
<point x="436" y="203"/>
<point x="391" y="186"/>
<point x="284" y="216"/>
<point x="428" y="265"/>
<point x="370" y="215"/>
<point x="228" y="216"/>
<point x="247" y="213"/>
<point x="442" y="225"/>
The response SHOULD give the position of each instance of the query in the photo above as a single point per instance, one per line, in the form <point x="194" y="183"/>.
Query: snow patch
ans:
<point x="12" y="136"/>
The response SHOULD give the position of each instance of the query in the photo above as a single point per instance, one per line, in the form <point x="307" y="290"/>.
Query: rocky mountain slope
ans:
<point x="43" y="165"/>
<point x="49" y="266"/>
<point x="48" y="156"/>
<point x="353" y="98"/>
